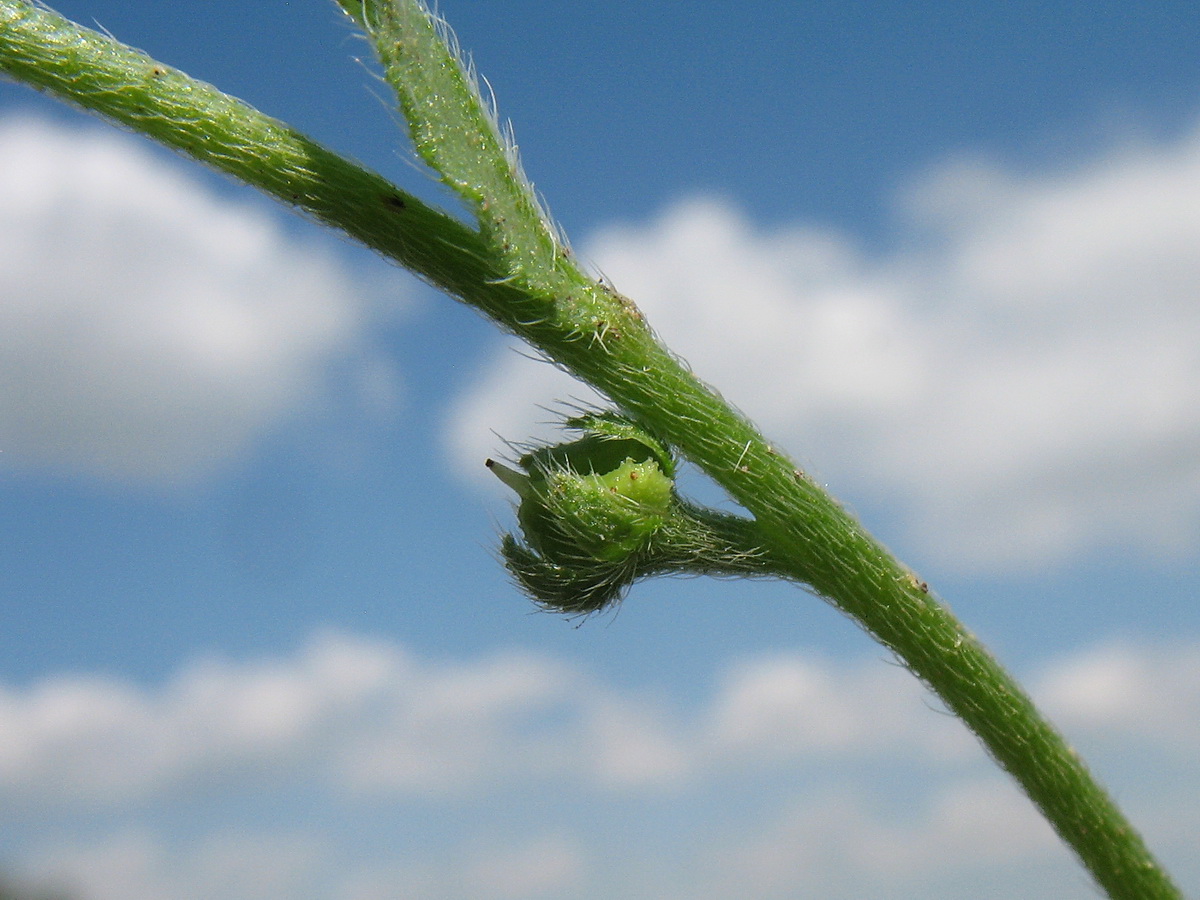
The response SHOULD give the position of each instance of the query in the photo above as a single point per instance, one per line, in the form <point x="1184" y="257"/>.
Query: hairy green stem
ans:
<point x="517" y="272"/>
<point x="104" y="76"/>
<point x="458" y="135"/>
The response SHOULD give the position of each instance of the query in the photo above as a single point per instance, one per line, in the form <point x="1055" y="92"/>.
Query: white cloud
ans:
<point x="546" y="866"/>
<point x="359" y="718"/>
<point x="1123" y="692"/>
<point x="136" y="864"/>
<point x="838" y="846"/>
<point x="241" y="864"/>
<point x="1019" y="379"/>
<point x="796" y="774"/>
<point x="794" y="706"/>
<point x="87" y="740"/>
<point x="345" y="715"/>
<point x="149" y="331"/>
<point x="634" y="747"/>
<point x="452" y="729"/>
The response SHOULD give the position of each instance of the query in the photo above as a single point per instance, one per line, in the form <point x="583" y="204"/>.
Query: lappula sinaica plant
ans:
<point x="601" y="511"/>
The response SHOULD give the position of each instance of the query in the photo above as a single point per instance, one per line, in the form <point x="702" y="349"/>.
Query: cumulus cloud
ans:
<point x="244" y="864"/>
<point x="546" y="866"/>
<point x="361" y="717"/>
<point x="137" y="864"/>
<point x="838" y="846"/>
<point x="1019" y="379"/>
<point x="149" y="331"/>
<point x="835" y="777"/>
<point x="793" y="706"/>
<point x="356" y="717"/>
<point x="1128" y="692"/>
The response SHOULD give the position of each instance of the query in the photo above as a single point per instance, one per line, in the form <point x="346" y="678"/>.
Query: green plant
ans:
<point x="601" y="511"/>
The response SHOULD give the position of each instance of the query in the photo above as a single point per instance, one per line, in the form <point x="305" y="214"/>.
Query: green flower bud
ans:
<point x="600" y="512"/>
<point x="589" y="509"/>
<point x="606" y="512"/>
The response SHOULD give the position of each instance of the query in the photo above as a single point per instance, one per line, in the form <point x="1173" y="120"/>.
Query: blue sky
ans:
<point x="256" y="642"/>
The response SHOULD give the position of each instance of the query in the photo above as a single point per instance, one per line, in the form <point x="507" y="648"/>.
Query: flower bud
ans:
<point x="589" y="509"/>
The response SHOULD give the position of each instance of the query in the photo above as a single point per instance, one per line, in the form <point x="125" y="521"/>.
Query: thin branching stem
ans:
<point x="515" y="269"/>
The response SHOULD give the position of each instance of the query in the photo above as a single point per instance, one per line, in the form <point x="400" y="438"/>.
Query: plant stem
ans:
<point x="516" y="271"/>
<point x="95" y="72"/>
